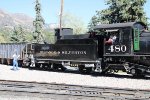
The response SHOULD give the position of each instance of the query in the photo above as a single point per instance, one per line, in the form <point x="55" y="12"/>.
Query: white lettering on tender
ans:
<point x="74" y="52"/>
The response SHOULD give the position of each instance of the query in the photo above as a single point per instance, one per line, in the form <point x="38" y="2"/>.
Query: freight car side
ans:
<point x="7" y="50"/>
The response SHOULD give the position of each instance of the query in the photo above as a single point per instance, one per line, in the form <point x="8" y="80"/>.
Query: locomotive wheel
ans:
<point x="105" y="71"/>
<point x="116" y="71"/>
<point x="89" y="70"/>
<point x="49" y="67"/>
<point x="55" y="67"/>
<point x="27" y="64"/>
<point x="63" y="68"/>
<point x="46" y="67"/>
<point x="109" y="71"/>
<point x="137" y="72"/>
<point x="81" y="68"/>
<point x="133" y="71"/>
<point x="37" y="66"/>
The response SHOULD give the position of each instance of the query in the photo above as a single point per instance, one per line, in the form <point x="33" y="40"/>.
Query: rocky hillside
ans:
<point x="13" y="19"/>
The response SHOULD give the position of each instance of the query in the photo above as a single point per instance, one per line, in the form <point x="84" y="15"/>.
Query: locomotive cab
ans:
<point x="124" y="46"/>
<point x="117" y="42"/>
<point x="122" y="39"/>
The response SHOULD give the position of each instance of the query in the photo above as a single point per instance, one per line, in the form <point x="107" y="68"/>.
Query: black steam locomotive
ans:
<point x="110" y="48"/>
<point x="126" y="47"/>
<point x="113" y="47"/>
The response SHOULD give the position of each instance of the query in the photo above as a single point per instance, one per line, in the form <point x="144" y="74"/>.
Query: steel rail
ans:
<point x="74" y="90"/>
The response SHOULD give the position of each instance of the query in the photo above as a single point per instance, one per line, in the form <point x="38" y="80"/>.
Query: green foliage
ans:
<point x="94" y="21"/>
<point x="120" y="11"/>
<point x="5" y="34"/>
<point x="71" y="21"/>
<point x="48" y="36"/>
<point x="18" y="35"/>
<point x="29" y="37"/>
<point x="38" y="23"/>
<point x="2" y="40"/>
<point x="148" y="24"/>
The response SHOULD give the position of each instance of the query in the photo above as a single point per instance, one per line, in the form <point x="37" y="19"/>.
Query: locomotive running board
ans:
<point x="60" y="60"/>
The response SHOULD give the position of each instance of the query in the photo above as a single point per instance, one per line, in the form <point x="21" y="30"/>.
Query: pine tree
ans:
<point x="120" y="11"/>
<point x="38" y="24"/>
<point x="18" y="35"/>
<point x="21" y="34"/>
<point x="15" y="36"/>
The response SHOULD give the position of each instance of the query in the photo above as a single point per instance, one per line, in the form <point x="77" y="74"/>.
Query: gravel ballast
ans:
<point x="71" y="78"/>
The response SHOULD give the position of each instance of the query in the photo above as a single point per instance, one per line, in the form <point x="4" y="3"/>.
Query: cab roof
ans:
<point x="119" y="25"/>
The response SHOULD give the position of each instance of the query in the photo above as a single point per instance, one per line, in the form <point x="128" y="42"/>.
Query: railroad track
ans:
<point x="75" y="91"/>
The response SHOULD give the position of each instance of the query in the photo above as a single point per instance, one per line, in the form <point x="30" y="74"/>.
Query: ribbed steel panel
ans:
<point x="7" y="49"/>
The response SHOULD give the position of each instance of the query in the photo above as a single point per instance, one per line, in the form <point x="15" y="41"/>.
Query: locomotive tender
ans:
<point x="112" y="47"/>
